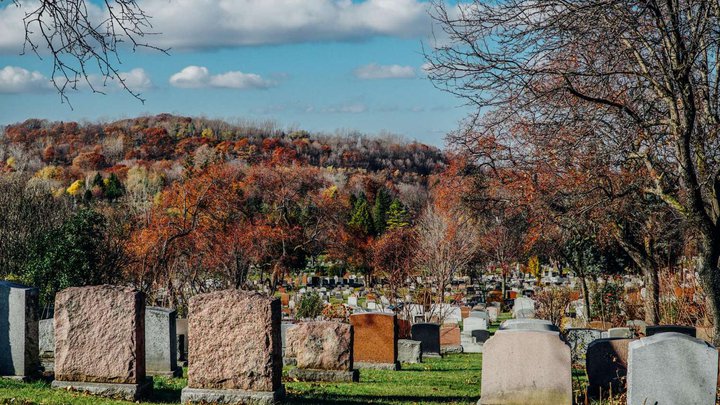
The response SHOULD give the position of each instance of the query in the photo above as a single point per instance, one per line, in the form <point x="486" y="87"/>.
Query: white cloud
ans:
<point x="201" y="24"/>
<point x="193" y="24"/>
<point x="193" y="77"/>
<point x="374" y="71"/>
<point x="15" y="79"/>
<point x="137" y="79"/>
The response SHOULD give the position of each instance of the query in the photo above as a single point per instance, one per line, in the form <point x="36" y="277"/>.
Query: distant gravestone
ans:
<point x="625" y="333"/>
<point x="493" y="313"/>
<point x="235" y="350"/>
<point x="579" y="339"/>
<point x="523" y="308"/>
<point x="47" y="344"/>
<point x="480" y="336"/>
<point x="375" y="340"/>
<point x="479" y="314"/>
<point x="19" y="340"/>
<point x="672" y="368"/>
<point x="526" y="367"/>
<point x="352" y="301"/>
<point x="404" y="328"/>
<point x="429" y="335"/>
<point x="100" y="341"/>
<point x="606" y="364"/>
<point x="409" y="351"/>
<point x="322" y="351"/>
<point x="450" y="339"/>
<point x="528" y="324"/>
<point x="161" y="342"/>
<point x="685" y="330"/>
<point x="470" y="324"/>
<point x="181" y="329"/>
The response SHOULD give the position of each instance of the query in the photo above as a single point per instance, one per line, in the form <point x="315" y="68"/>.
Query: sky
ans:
<point x="318" y="65"/>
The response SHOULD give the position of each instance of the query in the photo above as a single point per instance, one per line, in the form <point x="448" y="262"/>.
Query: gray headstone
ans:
<point x="528" y="324"/>
<point x="161" y="342"/>
<point x="19" y="346"/>
<point x="625" y="333"/>
<point x="579" y="339"/>
<point x="47" y="337"/>
<point x="672" y="368"/>
<point x="409" y="351"/>
<point x="685" y="330"/>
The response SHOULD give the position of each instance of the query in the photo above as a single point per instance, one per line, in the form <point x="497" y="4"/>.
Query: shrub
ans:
<point x="310" y="306"/>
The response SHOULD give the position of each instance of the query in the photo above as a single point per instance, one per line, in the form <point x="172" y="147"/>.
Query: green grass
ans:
<point x="454" y="379"/>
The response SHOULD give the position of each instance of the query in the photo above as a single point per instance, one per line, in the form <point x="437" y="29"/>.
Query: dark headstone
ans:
<point x="607" y="363"/>
<point x="655" y="329"/>
<point x="480" y="336"/>
<point x="429" y="335"/>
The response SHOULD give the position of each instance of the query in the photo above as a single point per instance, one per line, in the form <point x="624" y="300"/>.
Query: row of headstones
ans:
<point x="235" y="348"/>
<point x="528" y="362"/>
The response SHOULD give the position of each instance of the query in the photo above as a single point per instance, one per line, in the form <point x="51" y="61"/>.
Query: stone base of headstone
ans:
<point x="178" y="372"/>
<point x="128" y="392"/>
<point x="21" y="378"/>
<point x="451" y="349"/>
<point x="211" y="396"/>
<point x="409" y="351"/>
<point x="377" y="366"/>
<point x="303" y="374"/>
<point x="432" y="355"/>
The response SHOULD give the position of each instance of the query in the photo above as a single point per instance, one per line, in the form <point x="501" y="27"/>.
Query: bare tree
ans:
<point x="642" y="74"/>
<point x="447" y="245"/>
<point x="81" y="36"/>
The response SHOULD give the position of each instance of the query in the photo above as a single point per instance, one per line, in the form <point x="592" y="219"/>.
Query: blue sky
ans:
<point x="320" y="65"/>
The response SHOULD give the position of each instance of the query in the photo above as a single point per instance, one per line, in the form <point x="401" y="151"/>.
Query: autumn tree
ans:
<point x="641" y="77"/>
<point x="394" y="257"/>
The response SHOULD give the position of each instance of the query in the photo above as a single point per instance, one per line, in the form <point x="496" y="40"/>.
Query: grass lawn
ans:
<point x="454" y="379"/>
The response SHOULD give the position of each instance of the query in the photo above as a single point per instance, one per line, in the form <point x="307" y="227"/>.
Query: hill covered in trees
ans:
<point x="178" y="205"/>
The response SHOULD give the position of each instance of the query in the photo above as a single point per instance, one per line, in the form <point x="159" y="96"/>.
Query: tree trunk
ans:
<point x="710" y="278"/>
<point x="652" y="295"/>
<point x="586" y="298"/>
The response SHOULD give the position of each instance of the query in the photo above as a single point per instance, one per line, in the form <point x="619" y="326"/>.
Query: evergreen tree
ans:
<point x="380" y="210"/>
<point x="98" y="181"/>
<point x="361" y="218"/>
<point x="114" y="188"/>
<point x="397" y="216"/>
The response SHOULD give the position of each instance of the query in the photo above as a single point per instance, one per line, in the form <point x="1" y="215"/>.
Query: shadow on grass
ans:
<point x="374" y="399"/>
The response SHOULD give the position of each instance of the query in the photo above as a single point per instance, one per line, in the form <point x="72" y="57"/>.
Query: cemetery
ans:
<point x="105" y="344"/>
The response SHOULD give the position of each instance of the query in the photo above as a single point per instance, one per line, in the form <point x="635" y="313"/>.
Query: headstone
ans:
<point x="526" y="367"/>
<point x="352" y="301"/>
<point x="19" y="346"/>
<point x="523" y="308"/>
<point x="479" y="314"/>
<point x="606" y="363"/>
<point x="625" y="333"/>
<point x="685" y="330"/>
<point x="672" y="368"/>
<point x="181" y="329"/>
<point x="47" y="344"/>
<point x="375" y="340"/>
<point x="465" y="312"/>
<point x="579" y="339"/>
<point x="235" y="348"/>
<point x="161" y="342"/>
<point x="493" y="313"/>
<point x="100" y="341"/>
<point x="409" y="351"/>
<point x="470" y="324"/>
<point x="322" y="351"/>
<point x="480" y="336"/>
<point x="429" y="335"/>
<point x="450" y="341"/>
<point x="529" y="324"/>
